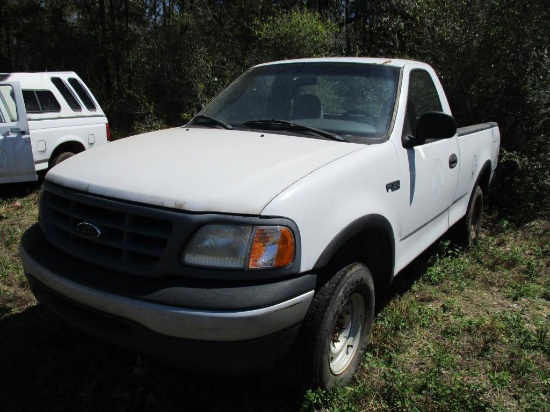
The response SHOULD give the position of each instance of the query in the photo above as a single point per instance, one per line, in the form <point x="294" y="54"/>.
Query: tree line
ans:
<point x="150" y="61"/>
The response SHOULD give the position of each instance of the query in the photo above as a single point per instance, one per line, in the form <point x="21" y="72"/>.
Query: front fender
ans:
<point x="363" y="224"/>
<point x="341" y="198"/>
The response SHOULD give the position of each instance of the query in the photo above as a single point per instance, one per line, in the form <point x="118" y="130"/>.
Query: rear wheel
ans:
<point x="466" y="231"/>
<point x="335" y="332"/>
<point x="60" y="157"/>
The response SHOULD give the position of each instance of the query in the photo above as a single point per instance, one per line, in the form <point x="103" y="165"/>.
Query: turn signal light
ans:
<point x="272" y="247"/>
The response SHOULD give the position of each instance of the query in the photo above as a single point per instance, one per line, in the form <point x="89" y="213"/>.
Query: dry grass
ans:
<point x="17" y="213"/>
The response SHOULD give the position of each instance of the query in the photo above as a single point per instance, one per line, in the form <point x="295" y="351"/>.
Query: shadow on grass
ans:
<point x="49" y="366"/>
<point x="16" y="190"/>
<point x="403" y="282"/>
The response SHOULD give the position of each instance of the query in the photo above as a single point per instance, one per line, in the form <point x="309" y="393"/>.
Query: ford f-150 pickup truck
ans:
<point x="259" y="231"/>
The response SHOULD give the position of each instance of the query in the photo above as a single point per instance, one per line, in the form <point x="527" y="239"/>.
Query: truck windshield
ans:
<point x="352" y="100"/>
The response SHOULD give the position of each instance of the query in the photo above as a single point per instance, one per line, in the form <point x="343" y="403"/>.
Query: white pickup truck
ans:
<point x="259" y="231"/>
<point x="45" y="118"/>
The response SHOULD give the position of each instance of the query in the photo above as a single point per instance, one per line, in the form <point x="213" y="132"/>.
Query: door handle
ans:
<point x="453" y="161"/>
<point x="14" y="131"/>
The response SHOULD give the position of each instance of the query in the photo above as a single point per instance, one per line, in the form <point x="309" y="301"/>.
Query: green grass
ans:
<point x="17" y="212"/>
<point x="472" y="332"/>
<point x="458" y="331"/>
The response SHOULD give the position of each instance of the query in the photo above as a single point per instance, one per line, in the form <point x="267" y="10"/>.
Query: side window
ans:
<point x="47" y="101"/>
<point x="40" y="101"/>
<point x="83" y="94"/>
<point x="422" y="98"/>
<point x="67" y="94"/>
<point x="31" y="102"/>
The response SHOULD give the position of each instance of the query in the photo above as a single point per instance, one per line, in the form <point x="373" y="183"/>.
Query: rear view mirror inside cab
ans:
<point x="301" y="81"/>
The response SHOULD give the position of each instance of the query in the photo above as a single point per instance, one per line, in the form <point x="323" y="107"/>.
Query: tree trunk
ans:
<point x="104" y="48"/>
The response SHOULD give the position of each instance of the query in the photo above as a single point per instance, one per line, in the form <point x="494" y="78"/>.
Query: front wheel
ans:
<point x="335" y="331"/>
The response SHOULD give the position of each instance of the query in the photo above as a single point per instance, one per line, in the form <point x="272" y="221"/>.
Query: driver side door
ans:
<point x="431" y="168"/>
<point x="16" y="159"/>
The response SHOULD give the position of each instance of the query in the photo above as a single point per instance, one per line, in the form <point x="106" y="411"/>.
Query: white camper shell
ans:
<point x="44" y="119"/>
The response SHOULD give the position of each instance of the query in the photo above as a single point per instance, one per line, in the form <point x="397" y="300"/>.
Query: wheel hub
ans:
<point x="346" y="333"/>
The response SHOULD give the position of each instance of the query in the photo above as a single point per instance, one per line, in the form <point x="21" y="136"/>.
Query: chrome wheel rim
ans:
<point x="346" y="333"/>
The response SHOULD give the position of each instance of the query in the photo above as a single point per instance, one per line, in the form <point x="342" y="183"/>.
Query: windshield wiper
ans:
<point x="286" y="125"/>
<point x="207" y="120"/>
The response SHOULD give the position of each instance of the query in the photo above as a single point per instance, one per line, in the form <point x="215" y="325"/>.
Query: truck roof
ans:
<point x="364" y="60"/>
<point x="35" y="79"/>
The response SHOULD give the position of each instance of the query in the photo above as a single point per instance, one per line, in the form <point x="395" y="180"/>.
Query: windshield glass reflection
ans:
<point x="348" y="99"/>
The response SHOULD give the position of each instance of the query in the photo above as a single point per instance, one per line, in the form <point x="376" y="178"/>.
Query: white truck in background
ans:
<point x="260" y="231"/>
<point x="45" y="118"/>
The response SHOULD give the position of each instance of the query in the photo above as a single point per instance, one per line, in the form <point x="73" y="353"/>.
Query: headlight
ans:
<point x="240" y="247"/>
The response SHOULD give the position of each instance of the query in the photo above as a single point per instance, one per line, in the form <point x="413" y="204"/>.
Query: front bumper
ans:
<point x="156" y="323"/>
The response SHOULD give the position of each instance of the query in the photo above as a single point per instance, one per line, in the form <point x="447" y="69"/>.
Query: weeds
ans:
<point x="472" y="334"/>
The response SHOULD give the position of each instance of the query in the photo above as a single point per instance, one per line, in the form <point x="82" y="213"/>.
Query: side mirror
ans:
<point x="197" y="109"/>
<point x="435" y="125"/>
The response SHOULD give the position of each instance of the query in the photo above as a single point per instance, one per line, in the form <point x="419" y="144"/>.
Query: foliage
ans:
<point x="146" y="119"/>
<point x="294" y="35"/>
<point x="522" y="186"/>
<point x="167" y="56"/>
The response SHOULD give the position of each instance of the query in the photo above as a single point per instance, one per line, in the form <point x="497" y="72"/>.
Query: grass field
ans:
<point x="457" y="331"/>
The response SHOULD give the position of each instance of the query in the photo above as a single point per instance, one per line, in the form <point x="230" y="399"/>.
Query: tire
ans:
<point x="60" y="157"/>
<point x="466" y="231"/>
<point x="335" y="332"/>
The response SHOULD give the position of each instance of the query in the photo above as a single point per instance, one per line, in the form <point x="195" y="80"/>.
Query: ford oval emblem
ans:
<point x="88" y="230"/>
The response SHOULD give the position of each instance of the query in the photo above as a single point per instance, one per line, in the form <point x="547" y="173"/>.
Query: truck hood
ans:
<point x="198" y="169"/>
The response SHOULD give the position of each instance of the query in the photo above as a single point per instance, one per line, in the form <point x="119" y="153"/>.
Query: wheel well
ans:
<point x="484" y="177"/>
<point x="74" y="147"/>
<point x="373" y="247"/>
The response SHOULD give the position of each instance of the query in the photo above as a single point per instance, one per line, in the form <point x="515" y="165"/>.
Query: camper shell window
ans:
<point x="83" y="94"/>
<point x="67" y="94"/>
<point x="40" y="101"/>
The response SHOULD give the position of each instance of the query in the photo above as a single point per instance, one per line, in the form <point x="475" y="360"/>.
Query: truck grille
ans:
<point x="132" y="238"/>
<point x="137" y="239"/>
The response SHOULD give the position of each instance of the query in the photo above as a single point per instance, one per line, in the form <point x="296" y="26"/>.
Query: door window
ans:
<point x="422" y="98"/>
<point x="8" y="108"/>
